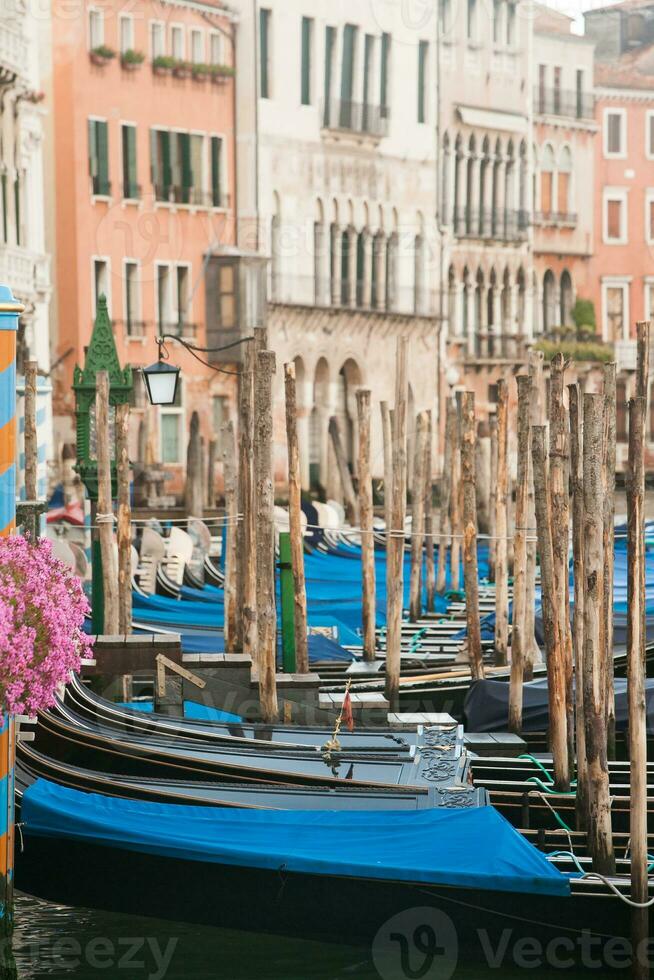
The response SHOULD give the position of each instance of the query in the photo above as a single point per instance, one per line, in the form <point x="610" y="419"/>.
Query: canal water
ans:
<point x="59" y="943"/>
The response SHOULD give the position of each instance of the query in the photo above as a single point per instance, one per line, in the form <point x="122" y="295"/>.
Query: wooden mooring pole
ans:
<point x="104" y="516"/>
<point x="501" y="528"/>
<point x="231" y="529"/>
<point x="31" y="447"/>
<point x="456" y="501"/>
<point x="430" y="570"/>
<point x="492" y="543"/>
<point x="636" y="673"/>
<point x="560" y="525"/>
<point x="295" y="522"/>
<point x="417" y="518"/>
<point x="246" y="623"/>
<point x="470" y="572"/>
<point x="531" y="651"/>
<point x="395" y="553"/>
<point x="387" y="437"/>
<point x="445" y="523"/>
<point x="265" y="518"/>
<point x="124" y="526"/>
<point x="369" y="611"/>
<point x="553" y="638"/>
<point x="577" y="487"/>
<point x="608" y="467"/>
<point x="519" y="643"/>
<point x="600" y="840"/>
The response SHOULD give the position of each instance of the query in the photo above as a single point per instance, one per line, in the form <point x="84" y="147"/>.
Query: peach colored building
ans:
<point x="143" y="129"/>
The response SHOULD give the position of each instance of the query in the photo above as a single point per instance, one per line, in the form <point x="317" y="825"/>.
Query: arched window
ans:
<point x="470" y="186"/>
<point x="453" y="326"/>
<point x="566" y="298"/>
<point x="457" y="213"/>
<point x="479" y="303"/>
<point x="509" y="192"/>
<point x="523" y="216"/>
<point x="465" y="303"/>
<point x="446" y="204"/>
<point x="419" y="270"/>
<point x="498" y="219"/>
<point x="391" y="271"/>
<point x="547" y="180"/>
<point x="505" y="303"/>
<point x="564" y="177"/>
<point x="520" y="312"/>
<point x="275" y="250"/>
<point x="485" y="188"/>
<point x="549" y="301"/>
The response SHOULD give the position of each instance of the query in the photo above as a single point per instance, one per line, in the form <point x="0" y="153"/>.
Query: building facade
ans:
<point x="143" y="133"/>
<point x="337" y="186"/>
<point x="565" y="134"/>
<point x="485" y="195"/>
<point x="24" y="264"/>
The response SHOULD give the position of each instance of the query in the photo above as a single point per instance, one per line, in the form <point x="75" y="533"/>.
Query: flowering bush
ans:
<point x="42" y="609"/>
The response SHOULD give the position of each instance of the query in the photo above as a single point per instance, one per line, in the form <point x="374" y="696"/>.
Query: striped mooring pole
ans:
<point x="9" y="312"/>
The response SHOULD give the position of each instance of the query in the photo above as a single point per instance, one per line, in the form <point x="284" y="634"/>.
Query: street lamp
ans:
<point x="161" y="381"/>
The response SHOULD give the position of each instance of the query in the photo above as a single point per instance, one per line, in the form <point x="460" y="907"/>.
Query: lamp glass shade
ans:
<point x="161" y="381"/>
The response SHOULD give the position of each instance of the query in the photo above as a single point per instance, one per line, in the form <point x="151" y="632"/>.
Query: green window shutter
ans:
<point x="307" y="29"/>
<point x="330" y="39"/>
<point x="187" y="170"/>
<point x="102" y="136"/>
<point x="264" y="53"/>
<point x="215" y="171"/>
<point x="423" y="49"/>
<point x="385" y="61"/>
<point x="367" y="63"/>
<point x="166" y="163"/>
<point x="347" y="71"/>
<point x="93" y="150"/>
<point x="155" y="172"/>
<point x="131" y="161"/>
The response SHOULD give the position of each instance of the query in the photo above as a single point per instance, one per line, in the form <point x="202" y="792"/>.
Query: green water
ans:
<point x="55" y="942"/>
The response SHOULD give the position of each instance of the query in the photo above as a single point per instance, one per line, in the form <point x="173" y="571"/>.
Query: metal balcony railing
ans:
<point x="491" y="346"/>
<point x="562" y="102"/>
<point x="356" y="117"/>
<point x="13" y="51"/>
<point x="361" y="296"/>
<point x="193" y="196"/>
<point x="506" y="226"/>
<point x="555" y="218"/>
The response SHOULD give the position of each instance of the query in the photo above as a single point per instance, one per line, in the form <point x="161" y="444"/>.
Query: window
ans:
<point x="542" y="87"/>
<point x="157" y="39"/>
<point x="307" y="45"/>
<point x="197" y="47"/>
<point x="384" y="75"/>
<point x="649" y="298"/>
<point x="177" y="42"/>
<point x="99" y="157"/>
<point x="171" y="419"/>
<point x="177" y="164"/>
<point x="615" y="309"/>
<point x="649" y="217"/>
<point x="368" y="68"/>
<point x="133" y="324"/>
<point x="173" y="298"/>
<point x="556" y="91"/>
<point x="615" y="135"/>
<point x="96" y="29"/>
<point x="510" y="24"/>
<point x="330" y="47"/>
<point x="547" y="180"/>
<point x="350" y="34"/>
<point x="649" y="135"/>
<point x="131" y="189"/>
<point x="182" y="298"/>
<point x="216" y="171"/>
<point x="563" y="181"/>
<point x="580" y="92"/>
<point x="126" y="33"/>
<point x="423" y="53"/>
<point x="497" y="21"/>
<point x="216" y="48"/>
<point x="471" y="24"/>
<point x="100" y="283"/>
<point x="445" y="11"/>
<point x="615" y="216"/>
<point x="265" y="17"/>
<point x="164" y="299"/>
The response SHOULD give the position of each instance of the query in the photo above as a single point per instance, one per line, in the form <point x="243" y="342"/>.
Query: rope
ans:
<point x="587" y="875"/>
<point x="105" y="519"/>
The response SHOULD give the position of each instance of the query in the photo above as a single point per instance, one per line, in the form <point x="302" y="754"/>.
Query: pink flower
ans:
<point x="42" y="610"/>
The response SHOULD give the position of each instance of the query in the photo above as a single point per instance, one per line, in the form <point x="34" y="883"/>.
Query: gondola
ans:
<point x="323" y="874"/>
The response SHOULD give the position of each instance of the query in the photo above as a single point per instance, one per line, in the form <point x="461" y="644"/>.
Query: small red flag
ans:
<point x="347" y="711"/>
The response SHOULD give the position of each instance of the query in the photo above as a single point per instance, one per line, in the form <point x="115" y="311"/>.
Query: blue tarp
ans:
<point x="192" y="709"/>
<point x="474" y="848"/>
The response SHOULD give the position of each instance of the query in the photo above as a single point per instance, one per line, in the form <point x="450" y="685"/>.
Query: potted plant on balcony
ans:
<point x="221" y="73"/>
<point x="182" y="69"/>
<point x="200" y="71"/>
<point x="163" y="64"/>
<point x="102" y="55"/>
<point x="131" y="59"/>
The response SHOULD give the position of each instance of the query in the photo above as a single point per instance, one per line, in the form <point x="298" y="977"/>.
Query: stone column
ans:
<point x="321" y="264"/>
<point x="368" y="259"/>
<point x="469" y="327"/>
<point x="473" y="203"/>
<point x="352" y="267"/>
<point x="487" y="216"/>
<point x="335" y="264"/>
<point x="500" y="205"/>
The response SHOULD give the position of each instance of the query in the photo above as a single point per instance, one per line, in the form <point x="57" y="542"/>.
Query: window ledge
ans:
<point x="101" y="199"/>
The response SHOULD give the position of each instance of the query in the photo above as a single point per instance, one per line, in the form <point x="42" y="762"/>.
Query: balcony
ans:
<point x="506" y="226"/>
<point x="356" y="117"/>
<point x="13" y="53"/>
<point x="559" y="219"/>
<point x="361" y="296"/>
<point x="560" y="102"/>
<point x="491" y="348"/>
<point x="26" y="272"/>
<point x="191" y="196"/>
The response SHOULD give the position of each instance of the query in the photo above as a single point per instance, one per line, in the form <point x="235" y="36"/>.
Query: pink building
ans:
<point x="145" y="178"/>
